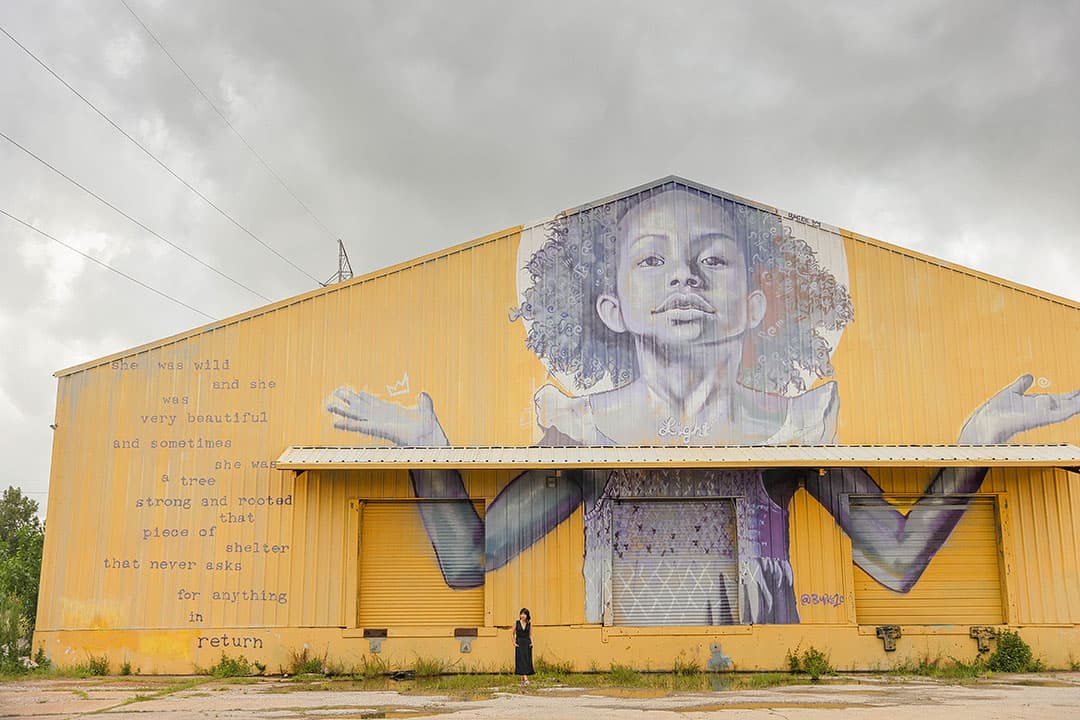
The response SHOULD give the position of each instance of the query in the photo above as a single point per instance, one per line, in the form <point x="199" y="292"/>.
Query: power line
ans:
<point x="153" y="157"/>
<point x="105" y="265"/>
<point x="225" y="119"/>
<point x="90" y="192"/>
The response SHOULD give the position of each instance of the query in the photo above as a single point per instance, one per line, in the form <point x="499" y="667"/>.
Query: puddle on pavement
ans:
<point x="636" y="693"/>
<point x="376" y="713"/>
<point x="1044" y="683"/>
<point x="714" y="707"/>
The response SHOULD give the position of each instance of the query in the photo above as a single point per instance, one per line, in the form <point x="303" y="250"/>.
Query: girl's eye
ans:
<point x="651" y="261"/>
<point x="713" y="261"/>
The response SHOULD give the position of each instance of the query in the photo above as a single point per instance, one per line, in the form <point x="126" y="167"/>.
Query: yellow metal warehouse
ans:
<point x="671" y="422"/>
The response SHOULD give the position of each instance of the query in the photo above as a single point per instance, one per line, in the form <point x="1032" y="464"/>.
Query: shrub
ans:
<point x="125" y="668"/>
<point x="1012" y="654"/>
<point x="811" y="661"/>
<point x="12" y="633"/>
<point x="230" y="667"/>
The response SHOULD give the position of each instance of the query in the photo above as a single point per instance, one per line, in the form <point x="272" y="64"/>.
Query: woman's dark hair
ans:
<point x="525" y="612"/>
<point x="577" y="263"/>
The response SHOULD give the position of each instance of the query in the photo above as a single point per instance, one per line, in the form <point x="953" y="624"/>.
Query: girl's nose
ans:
<point x="683" y="274"/>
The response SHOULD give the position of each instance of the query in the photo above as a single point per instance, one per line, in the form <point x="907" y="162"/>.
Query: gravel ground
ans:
<point x="1046" y="697"/>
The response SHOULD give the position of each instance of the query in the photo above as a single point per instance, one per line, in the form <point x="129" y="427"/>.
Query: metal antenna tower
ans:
<point x="344" y="267"/>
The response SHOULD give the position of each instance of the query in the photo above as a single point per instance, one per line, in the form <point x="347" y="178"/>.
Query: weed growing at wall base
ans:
<point x="1012" y="654"/>
<point x="811" y="661"/>
<point x="305" y="662"/>
<point x="229" y="667"/>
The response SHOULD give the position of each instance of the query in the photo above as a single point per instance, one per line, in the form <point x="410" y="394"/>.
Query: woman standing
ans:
<point x="523" y="664"/>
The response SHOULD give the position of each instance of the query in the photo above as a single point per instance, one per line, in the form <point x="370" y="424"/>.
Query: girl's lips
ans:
<point x="684" y="301"/>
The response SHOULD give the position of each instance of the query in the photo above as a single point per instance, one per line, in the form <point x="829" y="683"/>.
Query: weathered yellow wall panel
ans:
<point x="1044" y="507"/>
<point x="584" y="647"/>
<point x="821" y="560"/>
<point x="930" y="344"/>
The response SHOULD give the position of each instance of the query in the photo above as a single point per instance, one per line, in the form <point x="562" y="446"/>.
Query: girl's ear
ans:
<point x="756" y="305"/>
<point x="607" y="307"/>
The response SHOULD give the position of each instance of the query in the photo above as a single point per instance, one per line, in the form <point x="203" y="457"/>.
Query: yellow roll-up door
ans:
<point x="400" y="579"/>
<point x="961" y="585"/>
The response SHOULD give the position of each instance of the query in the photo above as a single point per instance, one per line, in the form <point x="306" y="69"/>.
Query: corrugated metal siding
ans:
<point x="299" y="347"/>
<point x="400" y="580"/>
<point x="946" y="340"/>
<point x="821" y="563"/>
<point x="1044" y="518"/>
<point x="546" y="577"/>
<point x="928" y="345"/>
<point x="961" y="587"/>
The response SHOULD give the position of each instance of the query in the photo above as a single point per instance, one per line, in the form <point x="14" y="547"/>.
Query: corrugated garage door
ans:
<point x="962" y="584"/>
<point x="674" y="562"/>
<point x="400" y="580"/>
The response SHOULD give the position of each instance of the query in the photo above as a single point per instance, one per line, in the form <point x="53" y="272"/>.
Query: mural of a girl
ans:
<point x="676" y="316"/>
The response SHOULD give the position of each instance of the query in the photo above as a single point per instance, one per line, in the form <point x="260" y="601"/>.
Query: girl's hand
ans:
<point x="366" y="414"/>
<point x="1012" y="411"/>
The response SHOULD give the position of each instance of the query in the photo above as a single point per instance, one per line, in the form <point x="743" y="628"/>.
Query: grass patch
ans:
<point x="553" y="670"/>
<point x="478" y="685"/>
<point x="370" y="667"/>
<point x="169" y="689"/>
<point x="760" y="681"/>
<point x="431" y="667"/>
<point x="685" y="666"/>
<point x="625" y="676"/>
<point x="939" y="669"/>
<point x="95" y="666"/>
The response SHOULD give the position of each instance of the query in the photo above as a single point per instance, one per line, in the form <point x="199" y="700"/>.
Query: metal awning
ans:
<point x="300" y="458"/>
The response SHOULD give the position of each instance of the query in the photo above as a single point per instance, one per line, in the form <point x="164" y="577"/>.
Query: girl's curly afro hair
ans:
<point x="576" y="264"/>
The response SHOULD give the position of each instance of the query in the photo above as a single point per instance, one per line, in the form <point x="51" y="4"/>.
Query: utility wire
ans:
<point x="226" y="120"/>
<point x="105" y="265"/>
<point x="153" y="157"/>
<point x="93" y="194"/>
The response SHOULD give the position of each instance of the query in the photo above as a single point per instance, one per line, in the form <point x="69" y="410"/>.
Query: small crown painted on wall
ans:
<point x="401" y="387"/>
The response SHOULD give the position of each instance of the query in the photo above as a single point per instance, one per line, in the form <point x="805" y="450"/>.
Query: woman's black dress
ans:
<point x="523" y="664"/>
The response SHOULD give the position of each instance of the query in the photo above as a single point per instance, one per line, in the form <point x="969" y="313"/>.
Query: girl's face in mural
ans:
<point x="681" y="277"/>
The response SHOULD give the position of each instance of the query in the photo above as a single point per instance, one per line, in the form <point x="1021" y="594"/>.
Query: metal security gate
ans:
<point x="961" y="585"/>
<point x="674" y="562"/>
<point x="400" y="580"/>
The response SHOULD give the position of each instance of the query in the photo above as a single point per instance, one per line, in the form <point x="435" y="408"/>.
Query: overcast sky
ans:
<point x="948" y="127"/>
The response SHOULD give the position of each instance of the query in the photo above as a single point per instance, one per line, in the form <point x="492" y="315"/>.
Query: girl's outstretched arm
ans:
<point x="522" y="513"/>
<point x="452" y="523"/>
<point x="894" y="548"/>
